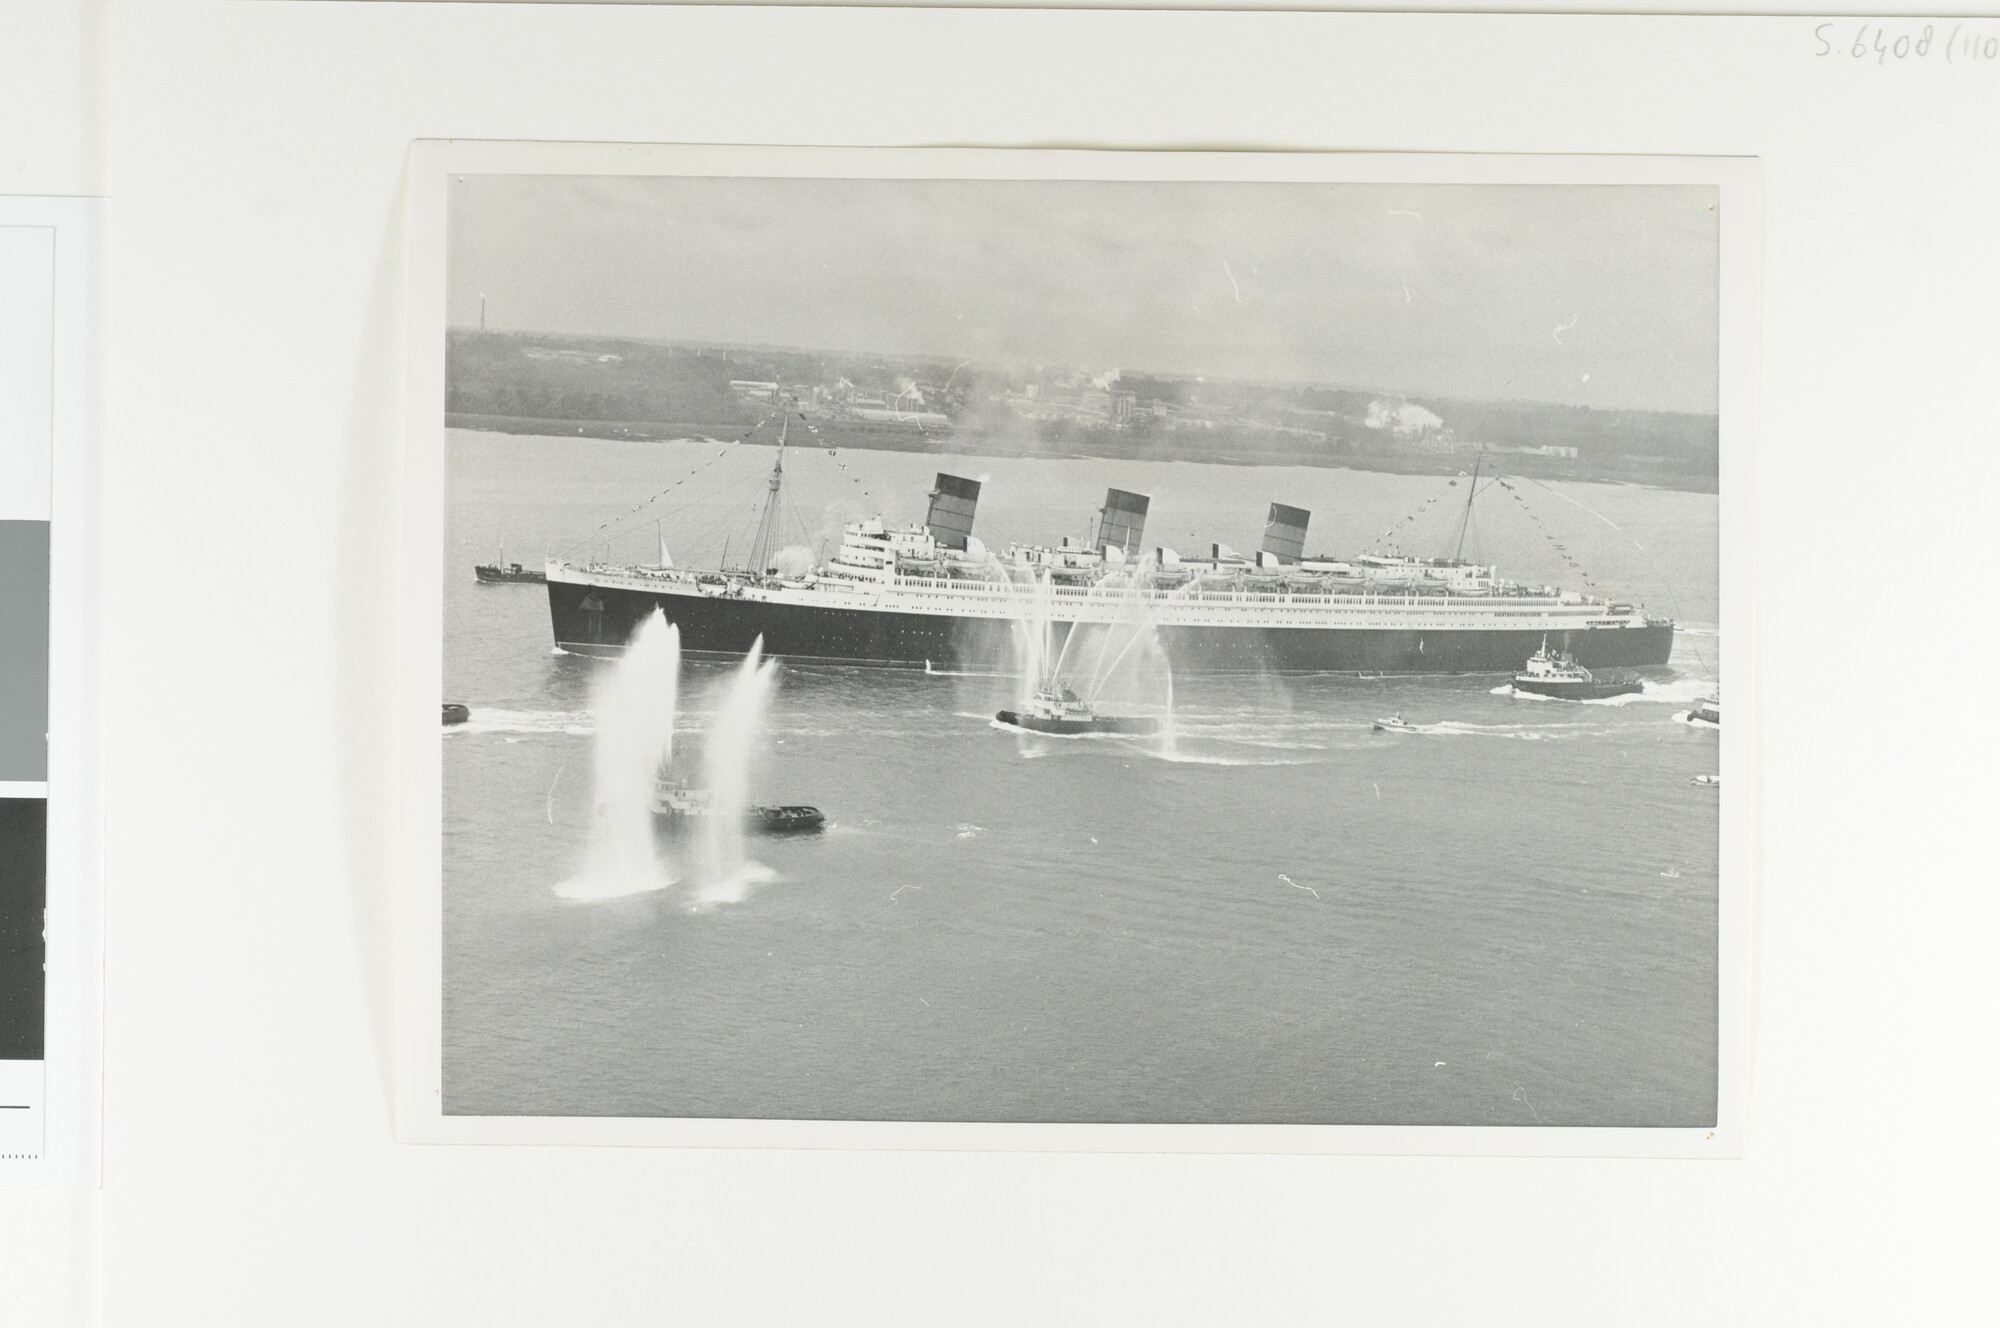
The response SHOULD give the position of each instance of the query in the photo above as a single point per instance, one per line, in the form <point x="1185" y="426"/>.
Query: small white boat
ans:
<point x="1395" y="724"/>
<point x="1710" y="781"/>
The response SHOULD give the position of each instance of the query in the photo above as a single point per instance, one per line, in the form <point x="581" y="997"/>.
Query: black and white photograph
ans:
<point x="1165" y="651"/>
<point x="790" y="664"/>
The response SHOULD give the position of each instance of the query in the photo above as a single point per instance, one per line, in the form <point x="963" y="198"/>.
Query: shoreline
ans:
<point x="894" y="439"/>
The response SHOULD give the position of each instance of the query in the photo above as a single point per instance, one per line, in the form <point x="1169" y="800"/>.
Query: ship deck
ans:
<point x="958" y="598"/>
<point x="595" y="611"/>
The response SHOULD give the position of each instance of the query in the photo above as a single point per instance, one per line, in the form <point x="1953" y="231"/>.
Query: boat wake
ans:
<point x="1680" y="691"/>
<point x="572" y="723"/>
<point x="593" y="886"/>
<point x="731" y="888"/>
<point x="1005" y="727"/>
<point x="1182" y="748"/>
<point x="1180" y="756"/>
<point x="1453" y="728"/>
<point x="934" y="672"/>
<point x="1263" y="741"/>
<point x="861" y="727"/>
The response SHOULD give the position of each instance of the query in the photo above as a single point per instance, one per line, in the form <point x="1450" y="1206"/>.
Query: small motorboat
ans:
<point x="454" y="713"/>
<point x="676" y="806"/>
<point x="1557" y="674"/>
<point x="1707" y="712"/>
<point x="1707" y="781"/>
<point x="1056" y="709"/>
<point x="786" y="820"/>
<point x="1395" y="724"/>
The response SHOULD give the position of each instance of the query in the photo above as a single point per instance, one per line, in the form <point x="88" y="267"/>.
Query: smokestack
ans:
<point x="1122" y="524"/>
<point x="1285" y="533"/>
<point x="953" y="501"/>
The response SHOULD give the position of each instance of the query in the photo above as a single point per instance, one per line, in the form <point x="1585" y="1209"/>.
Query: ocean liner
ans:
<point x="933" y="596"/>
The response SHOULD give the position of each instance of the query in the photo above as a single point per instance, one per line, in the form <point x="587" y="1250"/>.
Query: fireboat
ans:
<point x="1056" y="709"/>
<point x="677" y="807"/>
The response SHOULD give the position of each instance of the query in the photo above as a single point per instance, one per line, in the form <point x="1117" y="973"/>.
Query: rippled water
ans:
<point x="1281" y="915"/>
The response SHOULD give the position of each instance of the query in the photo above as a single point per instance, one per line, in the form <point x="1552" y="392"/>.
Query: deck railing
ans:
<point x="1126" y="594"/>
<point x="1501" y="604"/>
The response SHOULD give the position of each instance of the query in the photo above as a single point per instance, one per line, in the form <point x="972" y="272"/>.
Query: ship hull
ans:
<point x="789" y="820"/>
<point x="1576" y="691"/>
<point x="1070" y="728"/>
<point x="593" y="619"/>
<point x="492" y="575"/>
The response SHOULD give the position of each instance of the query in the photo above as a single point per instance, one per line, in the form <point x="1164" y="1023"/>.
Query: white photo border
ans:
<point x="72" y="1065"/>
<point x="419" y="967"/>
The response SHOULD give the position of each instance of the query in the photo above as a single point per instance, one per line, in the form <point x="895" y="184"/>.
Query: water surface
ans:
<point x="1507" y="919"/>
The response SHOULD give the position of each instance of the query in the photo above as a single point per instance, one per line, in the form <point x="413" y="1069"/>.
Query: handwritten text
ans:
<point x="1962" y="43"/>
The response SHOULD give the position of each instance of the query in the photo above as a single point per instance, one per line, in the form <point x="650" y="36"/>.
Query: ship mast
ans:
<point x="1470" y="493"/>
<point x="767" y="525"/>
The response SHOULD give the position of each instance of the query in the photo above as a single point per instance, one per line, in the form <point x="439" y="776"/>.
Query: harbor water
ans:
<point x="1277" y="914"/>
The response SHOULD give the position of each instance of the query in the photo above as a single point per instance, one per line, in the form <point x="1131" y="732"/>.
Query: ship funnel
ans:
<point x="1122" y="523"/>
<point x="953" y="501"/>
<point x="1285" y="533"/>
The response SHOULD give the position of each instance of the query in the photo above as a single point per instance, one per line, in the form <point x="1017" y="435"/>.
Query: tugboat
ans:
<point x="501" y="570"/>
<point x="1707" y="712"/>
<point x="1557" y="674"/>
<point x="675" y="806"/>
<point x="1395" y="724"/>
<point x="1056" y="709"/>
<point x="454" y="713"/>
<point x="494" y="572"/>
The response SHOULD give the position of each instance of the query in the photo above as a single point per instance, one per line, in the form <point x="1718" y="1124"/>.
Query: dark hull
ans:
<point x="598" y="620"/>
<point x="520" y="576"/>
<point x="784" y="820"/>
<point x="1072" y="727"/>
<point x="790" y="820"/>
<point x="1578" y="691"/>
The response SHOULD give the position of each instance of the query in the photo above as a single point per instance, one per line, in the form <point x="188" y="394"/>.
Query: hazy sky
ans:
<point x="1594" y="295"/>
